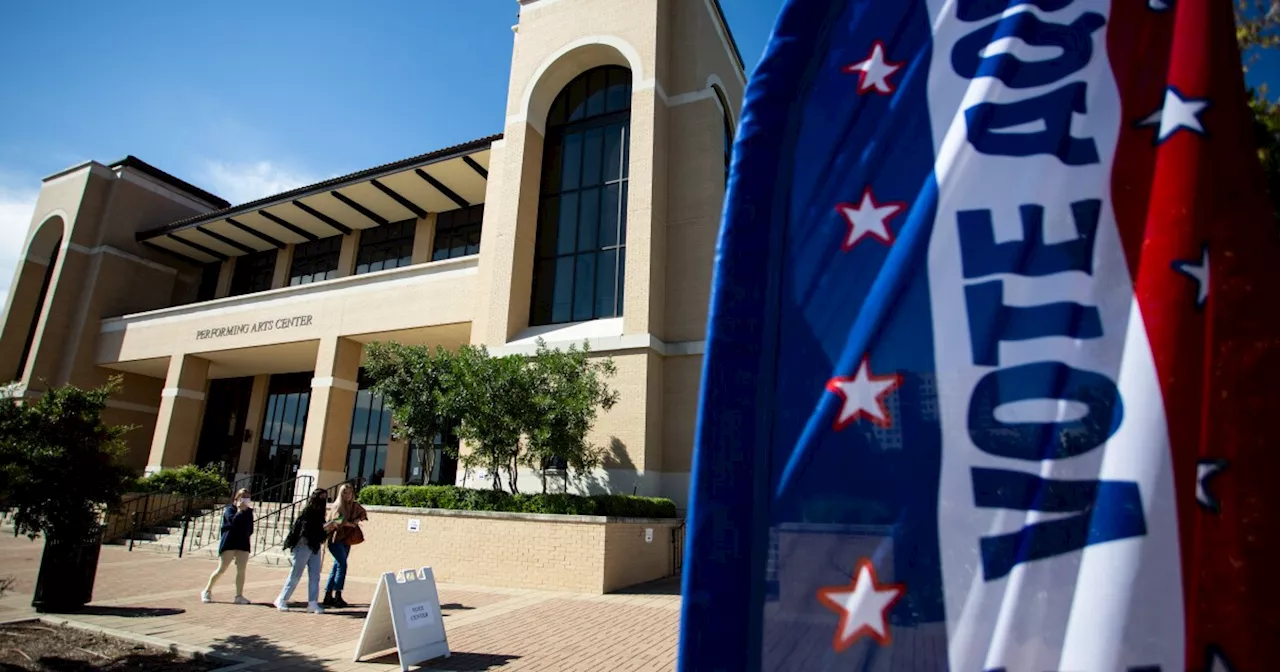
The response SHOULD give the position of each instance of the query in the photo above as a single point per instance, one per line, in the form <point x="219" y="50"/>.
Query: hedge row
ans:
<point x="466" y="499"/>
<point x="191" y="481"/>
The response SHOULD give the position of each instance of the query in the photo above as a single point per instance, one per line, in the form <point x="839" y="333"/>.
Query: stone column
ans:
<point x="284" y="263"/>
<point x="181" y="412"/>
<point x="225" y="273"/>
<point x="424" y="236"/>
<point x="397" y="462"/>
<point x="333" y="398"/>
<point x="253" y="423"/>
<point x="347" y="254"/>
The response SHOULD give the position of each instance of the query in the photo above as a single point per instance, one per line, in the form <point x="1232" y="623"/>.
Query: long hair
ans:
<point x="342" y="507"/>
<point x="318" y="501"/>
<point x="239" y="493"/>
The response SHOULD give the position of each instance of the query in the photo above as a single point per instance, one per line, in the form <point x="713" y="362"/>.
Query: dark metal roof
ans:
<point x="337" y="182"/>
<point x="181" y="185"/>
<point x="732" y="42"/>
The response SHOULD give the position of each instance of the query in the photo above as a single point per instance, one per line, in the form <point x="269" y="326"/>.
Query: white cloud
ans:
<point x="16" y="208"/>
<point x="244" y="182"/>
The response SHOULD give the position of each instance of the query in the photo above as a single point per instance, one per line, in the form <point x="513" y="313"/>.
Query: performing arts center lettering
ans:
<point x="254" y="327"/>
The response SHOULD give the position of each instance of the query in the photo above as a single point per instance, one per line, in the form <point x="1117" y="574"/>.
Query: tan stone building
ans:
<point x="239" y="329"/>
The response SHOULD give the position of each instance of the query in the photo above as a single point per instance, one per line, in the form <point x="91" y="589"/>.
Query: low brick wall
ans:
<point x="582" y="554"/>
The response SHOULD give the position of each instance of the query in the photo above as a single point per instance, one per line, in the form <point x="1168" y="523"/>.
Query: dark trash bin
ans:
<point x="67" y="571"/>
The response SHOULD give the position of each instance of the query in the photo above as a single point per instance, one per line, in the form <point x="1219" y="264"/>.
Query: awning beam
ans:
<point x="279" y="245"/>
<point x="351" y="203"/>
<point x="335" y="224"/>
<point x="395" y="196"/>
<point x="295" y="229"/>
<point x="476" y="167"/>
<point x="225" y="240"/>
<point x="198" y="247"/>
<point x="449" y="193"/>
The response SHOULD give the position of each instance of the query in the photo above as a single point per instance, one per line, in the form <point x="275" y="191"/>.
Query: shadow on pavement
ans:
<point x="127" y="612"/>
<point x="274" y="655"/>
<point x="667" y="586"/>
<point x="459" y="661"/>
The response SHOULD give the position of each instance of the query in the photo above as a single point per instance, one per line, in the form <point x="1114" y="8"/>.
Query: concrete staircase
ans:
<point x="204" y="532"/>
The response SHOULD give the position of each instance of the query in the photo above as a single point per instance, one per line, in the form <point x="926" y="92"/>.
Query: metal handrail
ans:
<point x="208" y="527"/>
<point x="270" y="529"/>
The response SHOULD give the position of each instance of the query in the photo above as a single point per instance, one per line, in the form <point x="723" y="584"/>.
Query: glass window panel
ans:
<point x="622" y="217"/>
<point x="548" y="226"/>
<point x="544" y="278"/>
<point x="622" y="279"/>
<point x="596" y="92"/>
<point x="626" y="150"/>
<point x="557" y="115"/>
<point x="618" y="96"/>
<point x="609" y="216"/>
<point x="384" y="427"/>
<point x="288" y="416"/>
<point x="584" y="286"/>
<point x="571" y="172"/>
<point x="606" y="280"/>
<point x="562" y="305"/>
<point x="568" y="223"/>
<point x="577" y="96"/>
<point x="592" y="144"/>
<point x="473" y="241"/>
<point x="458" y="245"/>
<point x="612" y="152"/>
<point x="589" y="220"/>
<point x="354" y="456"/>
<point x="379" y="464"/>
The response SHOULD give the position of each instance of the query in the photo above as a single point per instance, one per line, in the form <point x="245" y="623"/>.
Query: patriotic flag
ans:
<point x="993" y="360"/>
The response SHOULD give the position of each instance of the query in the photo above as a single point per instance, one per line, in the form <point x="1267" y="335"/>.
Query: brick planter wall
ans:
<point x="582" y="554"/>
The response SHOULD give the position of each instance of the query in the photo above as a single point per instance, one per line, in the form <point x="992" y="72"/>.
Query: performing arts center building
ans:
<point x="592" y="215"/>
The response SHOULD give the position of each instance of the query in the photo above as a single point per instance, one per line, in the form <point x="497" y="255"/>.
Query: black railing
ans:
<point x="271" y="528"/>
<point x="677" y="549"/>
<point x="206" y="529"/>
<point x="193" y="508"/>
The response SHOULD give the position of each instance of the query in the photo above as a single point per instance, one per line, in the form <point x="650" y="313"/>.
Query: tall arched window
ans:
<point x="582" y="216"/>
<point x="728" y="131"/>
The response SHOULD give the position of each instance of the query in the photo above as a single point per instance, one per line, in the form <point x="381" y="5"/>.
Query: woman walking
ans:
<point x="306" y="539"/>
<point x="347" y="517"/>
<point x="237" y="527"/>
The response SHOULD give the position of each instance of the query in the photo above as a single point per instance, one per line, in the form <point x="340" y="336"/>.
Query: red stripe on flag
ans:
<point x="1219" y="365"/>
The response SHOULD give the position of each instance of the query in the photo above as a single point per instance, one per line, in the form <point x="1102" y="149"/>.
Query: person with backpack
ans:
<point x="306" y="540"/>
<point x="347" y="515"/>
<point x="234" y="545"/>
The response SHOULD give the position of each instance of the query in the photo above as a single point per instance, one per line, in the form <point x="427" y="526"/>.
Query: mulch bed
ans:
<point x="35" y="645"/>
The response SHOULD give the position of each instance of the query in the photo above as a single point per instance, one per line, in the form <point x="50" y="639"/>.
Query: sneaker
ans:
<point x="281" y="605"/>
<point x="206" y="597"/>
<point x="240" y="600"/>
<point x="315" y="608"/>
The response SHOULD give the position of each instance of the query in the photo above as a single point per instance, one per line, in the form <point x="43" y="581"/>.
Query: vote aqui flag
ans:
<point x="992" y="378"/>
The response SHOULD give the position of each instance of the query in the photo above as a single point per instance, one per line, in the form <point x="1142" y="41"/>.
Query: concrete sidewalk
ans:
<point x="488" y="628"/>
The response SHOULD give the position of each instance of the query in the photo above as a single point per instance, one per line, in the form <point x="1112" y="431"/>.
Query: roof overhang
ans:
<point x="447" y="179"/>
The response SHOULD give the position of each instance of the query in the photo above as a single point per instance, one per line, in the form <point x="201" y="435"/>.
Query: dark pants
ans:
<point x="338" y="575"/>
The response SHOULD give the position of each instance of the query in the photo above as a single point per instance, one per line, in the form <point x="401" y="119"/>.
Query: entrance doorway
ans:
<point x="222" y="431"/>
<point x="283" y="426"/>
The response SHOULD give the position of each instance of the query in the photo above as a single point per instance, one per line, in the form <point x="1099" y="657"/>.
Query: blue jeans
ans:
<point x="338" y="575"/>
<point x="303" y="557"/>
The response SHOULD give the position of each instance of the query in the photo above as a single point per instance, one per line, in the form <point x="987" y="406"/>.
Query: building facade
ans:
<point x="240" y="329"/>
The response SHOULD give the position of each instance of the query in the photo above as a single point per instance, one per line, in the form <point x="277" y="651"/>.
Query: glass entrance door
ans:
<point x="283" y="426"/>
<point x="370" y="435"/>
<point x="222" y="431"/>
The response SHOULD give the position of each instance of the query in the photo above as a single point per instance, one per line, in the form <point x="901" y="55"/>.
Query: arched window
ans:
<point x="582" y="227"/>
<point x="728" y="131"/>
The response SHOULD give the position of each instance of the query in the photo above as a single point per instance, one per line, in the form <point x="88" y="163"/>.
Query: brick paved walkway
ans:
<point x="488" y="628"/>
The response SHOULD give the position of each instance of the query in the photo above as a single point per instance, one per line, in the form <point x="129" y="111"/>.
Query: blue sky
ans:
<point x="252" y="98"/>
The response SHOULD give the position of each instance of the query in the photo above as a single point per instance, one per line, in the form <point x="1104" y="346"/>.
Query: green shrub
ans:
<point x="465" y="499"/>
<point x="191" y="481"/>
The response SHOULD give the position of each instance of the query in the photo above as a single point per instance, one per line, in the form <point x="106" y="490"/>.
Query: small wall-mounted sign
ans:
<point x="414" y="524"/>
<point x="648" y="535"/>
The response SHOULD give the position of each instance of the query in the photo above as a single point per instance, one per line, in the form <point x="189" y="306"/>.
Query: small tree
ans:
<point x="59" y="463"/>
<point x="1258" y="30"/>
<point x="493" y="397"/>
<point x="569" y="391"/>
<point x="414" y="382"/>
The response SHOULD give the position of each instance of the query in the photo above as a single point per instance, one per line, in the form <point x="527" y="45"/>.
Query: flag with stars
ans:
<point x="993" y="365"/>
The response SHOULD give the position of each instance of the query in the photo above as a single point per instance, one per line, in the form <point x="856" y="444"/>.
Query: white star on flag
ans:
<point x="863" y="395"/>
<point x="874" y="72"/>
<point x="1205" y="470"/>
<point x="868" y="218"/>
<point x="1175" y="114"/>
<point x="1198" y="272"/>
<point x="863" y="607"/>
<point x="1158" y="5"/>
